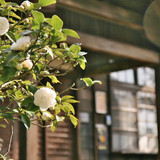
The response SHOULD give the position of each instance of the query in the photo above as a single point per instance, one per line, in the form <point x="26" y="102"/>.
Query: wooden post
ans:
<point x="157" y="80"/>
<point x="22" y="142"/>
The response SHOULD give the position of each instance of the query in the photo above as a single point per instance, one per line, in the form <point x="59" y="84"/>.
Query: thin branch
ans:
<point x="74" y="89"/>
<point x="69" y="88"/>
<point x="10" y="142"/>
<point x="39" y="125"/>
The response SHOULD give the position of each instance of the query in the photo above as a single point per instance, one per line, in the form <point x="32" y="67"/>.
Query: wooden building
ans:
<point x="119" y="120"/>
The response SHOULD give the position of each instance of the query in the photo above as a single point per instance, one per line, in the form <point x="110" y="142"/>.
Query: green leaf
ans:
<point x="88" y="81"/>
<point x="26" y="32"/>
<point x="75" y="49"/>
<point x="53" y="128"/>
<point x="66" y="97"/>
<point x="71" y="33"/>
<point x="48" y="85"/>
<point x="7" y="115"/>
<point x="46" y="2"/>
<point x="38" y="16"/>
<point x="68" y="107"/>
<point x="57" y="110"/>
<point x="30" y="113"/>
<point x="25" y="120"/>
<point x="27" y="101"/>
<point x="11" y="56"/>
<point x="2" y="2"/>
<point x="34" y="6"/>
<point x="54" y="79"/>
<point x="96" y="81"/>
<point x="11" y="35"/>
<point x="49" y="50"/>
<point x="57" y="23"/>
<point x="32" y="88"/>
<point x="3" y="126"/>
<point x="32" y="107"/>
<point x="71" y="101"/>
<point x="12" y="14"/>
<point x="82" y="63"/>
<point x="60" y="119"/>
<point x="74" y="120"/>
<point x="82" y="53"/>
<point x="19" y="94"/>
<point x="8" y="73"/>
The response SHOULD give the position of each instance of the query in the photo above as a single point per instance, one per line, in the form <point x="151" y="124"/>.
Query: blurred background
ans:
<point x="120" y="119"/>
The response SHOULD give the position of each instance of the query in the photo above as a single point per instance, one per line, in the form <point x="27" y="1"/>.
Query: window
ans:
<point x="124" y="115"/>
<point x="134" y="127"/>
<point x="86" y="143"/>
<point x="147" y="122"/>
<point x="126" y="76"/>
<point x="146" y="77"/>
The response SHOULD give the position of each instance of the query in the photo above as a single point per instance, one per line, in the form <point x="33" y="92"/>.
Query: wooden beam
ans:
<point x="117" y="66"/>
<point x="114" y="48"/>
<point x="106" y="11"/>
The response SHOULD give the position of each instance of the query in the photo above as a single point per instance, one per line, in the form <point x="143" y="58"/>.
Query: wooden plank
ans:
<point x="59" y="145"/>
<point x="106" y="11"/>
<point x="136" y="5"/>
<point x="34" y="143"/>
<point x="114" y="48"/>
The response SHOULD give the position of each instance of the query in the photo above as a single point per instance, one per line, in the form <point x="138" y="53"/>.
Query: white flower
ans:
<point x="25" y="5"/>
<point x="45" y="98"/>
<point x="4" y="25"/>
<point x="27" y="64"/>
<point x="46" y="116"/>
<point x="21" y="44"/>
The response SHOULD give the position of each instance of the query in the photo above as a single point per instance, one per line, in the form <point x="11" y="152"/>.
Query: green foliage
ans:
<point x="70" y="32"/>
<point x="57" y="23"/>
<point x="4" y="158"/>
<point x="26" y="62"/>
<point x="26" y="121"/>
<point x="89" y="82"/>
<point x="38" y="17"/>
<point x="46" y="2"/>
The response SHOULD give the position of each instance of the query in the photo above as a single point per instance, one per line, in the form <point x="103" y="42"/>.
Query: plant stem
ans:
<point x="10" y="142"/>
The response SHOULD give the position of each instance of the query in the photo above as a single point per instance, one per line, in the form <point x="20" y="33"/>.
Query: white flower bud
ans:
<point x="25" y="5"/>
<point x="46" y="116"/>
<point x="27" y="64"/>
<point x="19" y="66"/>
<point x="45" y="98"/>
<point x="21" y="44"/>
<point x="26" y="20"/>
<point x="4" y="25"/>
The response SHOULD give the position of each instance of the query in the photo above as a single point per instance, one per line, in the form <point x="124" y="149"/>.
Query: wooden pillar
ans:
<point x="22" y="142"/>
<point x="32" y="143"/>
<point x="157" y="79"/>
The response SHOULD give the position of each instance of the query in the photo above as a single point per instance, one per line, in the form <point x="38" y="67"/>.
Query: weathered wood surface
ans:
<point x="106" y="11"/>
<point x="114" y="48"/>
<point x="59" y="145"/>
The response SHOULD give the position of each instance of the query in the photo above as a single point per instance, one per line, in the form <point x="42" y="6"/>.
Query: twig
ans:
<point x="10" y="142"/>
<point x="36" y="124"/>
<point x="74" y="89"/>
<point x="67" y="89"/>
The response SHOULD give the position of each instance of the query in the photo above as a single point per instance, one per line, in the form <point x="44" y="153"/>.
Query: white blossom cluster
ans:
<point x="45" y="98"/>
<point x="27" y="64"/>
<point x="4" y="25"/>
<point x="46" y="116"/>
<point x="21" y="44"/>
<point x="25" y="5"/>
